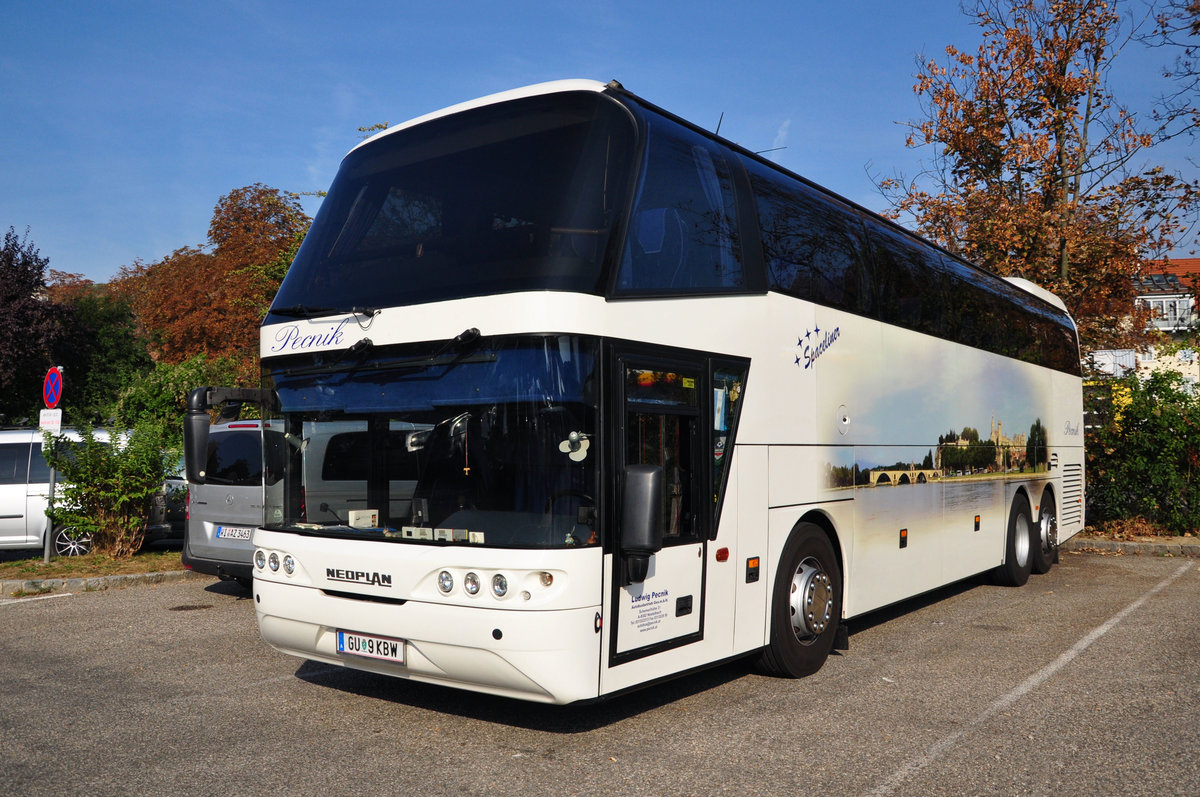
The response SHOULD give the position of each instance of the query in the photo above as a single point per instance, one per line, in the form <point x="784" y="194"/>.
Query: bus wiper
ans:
<point x="308" y="311"/>
<point x="462" y="339"/>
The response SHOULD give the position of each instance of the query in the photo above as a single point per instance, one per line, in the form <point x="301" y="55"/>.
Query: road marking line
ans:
<point x="7" y="601"/>
<point x="1028" y="685"/>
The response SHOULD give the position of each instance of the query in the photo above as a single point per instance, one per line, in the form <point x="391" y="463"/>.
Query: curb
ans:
<point x="1123" y="548"/>
<point x="44" y="586"/>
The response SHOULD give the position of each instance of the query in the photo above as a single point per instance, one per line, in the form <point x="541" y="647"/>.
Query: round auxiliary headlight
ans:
<point x="499" y="585"/>
<point x="546" y="578"/>
<point x="289" y="564"/>
<point x="260" y="558"/>
<point x="273" y="562"/>
<point x="471" y="583"/>
<point x="445" y="581"/>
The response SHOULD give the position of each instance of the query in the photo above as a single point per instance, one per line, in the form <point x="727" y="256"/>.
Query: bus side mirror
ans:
<point x="195" y="435"/>
<point x="641" y="521"/>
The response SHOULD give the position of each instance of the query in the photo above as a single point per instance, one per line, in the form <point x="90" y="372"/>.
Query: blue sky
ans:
<point x="122" y="123"/>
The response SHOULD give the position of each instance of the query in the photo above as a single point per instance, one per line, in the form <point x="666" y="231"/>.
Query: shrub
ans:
<point x="108" y="487"/>
<point x="1143" y="454"/>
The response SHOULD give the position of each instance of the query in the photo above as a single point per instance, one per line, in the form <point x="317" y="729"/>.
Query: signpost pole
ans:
<point x="51" y="421"/>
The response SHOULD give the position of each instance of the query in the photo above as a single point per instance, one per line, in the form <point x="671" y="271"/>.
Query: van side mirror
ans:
<point x="195" y="435"/>
<point x="641" y="521"/>
<point x="195" y="421"/>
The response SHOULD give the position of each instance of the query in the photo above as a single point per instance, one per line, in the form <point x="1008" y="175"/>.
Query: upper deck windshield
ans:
<point x="480" y="442"/>
<point x="520" y="195"/>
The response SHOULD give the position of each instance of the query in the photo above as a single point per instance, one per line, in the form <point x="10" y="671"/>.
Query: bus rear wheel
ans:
<point x="1046" y="535"/>
<point x="1018" y="545"/>
<point x="806" y="605"/>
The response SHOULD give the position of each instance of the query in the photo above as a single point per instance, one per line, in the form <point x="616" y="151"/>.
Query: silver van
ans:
<point x="224" y="511"/>
<point x="24" y="491"/>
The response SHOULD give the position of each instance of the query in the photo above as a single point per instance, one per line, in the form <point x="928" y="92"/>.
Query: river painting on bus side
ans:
<point x="944" y="424"/>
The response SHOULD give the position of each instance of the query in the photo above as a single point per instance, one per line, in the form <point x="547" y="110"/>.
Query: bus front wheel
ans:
<point x="806" y="604"/>
<point x="1018" y="545"/>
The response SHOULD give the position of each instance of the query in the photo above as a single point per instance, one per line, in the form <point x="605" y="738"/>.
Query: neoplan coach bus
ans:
<point x="629" y="400"/>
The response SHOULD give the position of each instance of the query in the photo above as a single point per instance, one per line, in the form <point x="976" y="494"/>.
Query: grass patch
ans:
<point x="30" y="565"/>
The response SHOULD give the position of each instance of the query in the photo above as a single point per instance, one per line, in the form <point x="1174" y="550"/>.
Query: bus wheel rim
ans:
<point x="811" y="600"/>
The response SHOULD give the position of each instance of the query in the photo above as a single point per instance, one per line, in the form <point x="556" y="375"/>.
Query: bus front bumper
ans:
<point x="543" y="656"/>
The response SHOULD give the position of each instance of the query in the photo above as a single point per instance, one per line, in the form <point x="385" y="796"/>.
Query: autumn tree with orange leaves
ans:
<point x="209" y="300"/>
<point x="1037" y="170"/>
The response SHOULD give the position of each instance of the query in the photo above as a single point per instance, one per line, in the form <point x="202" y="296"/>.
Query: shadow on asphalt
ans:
<point x="881" y="616"/>
<point x="579" y="718"/>
<point x="582" y="718"/>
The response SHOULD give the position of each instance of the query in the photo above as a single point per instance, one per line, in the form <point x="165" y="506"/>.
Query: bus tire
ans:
<point x="1045" y="534"/>
<point x="806" y="605"/>
<point x="1018" y="545"/>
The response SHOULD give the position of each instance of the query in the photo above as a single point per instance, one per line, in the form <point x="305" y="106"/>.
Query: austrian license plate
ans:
<point x="370" y="646"/>
<point x="234" y="532"/>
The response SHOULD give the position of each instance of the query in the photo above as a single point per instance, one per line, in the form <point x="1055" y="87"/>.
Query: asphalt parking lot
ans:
<point x="1085" y="681"/>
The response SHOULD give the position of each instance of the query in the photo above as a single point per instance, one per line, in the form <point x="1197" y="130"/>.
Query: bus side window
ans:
<point x="811" y="243"/>
<point x="683" y="235"/>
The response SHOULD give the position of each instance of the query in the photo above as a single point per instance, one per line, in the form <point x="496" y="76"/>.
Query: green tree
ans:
<point x="1037" y="169"/>
<point x="1036" y="452"/>
<point x="108" y="486"/>
<point x="253" y="235"/>
<point x="30" y="326"/>
<point x="1144" y="460"/>
<point x="160" y="395"/>
<point x="101" y="350"/>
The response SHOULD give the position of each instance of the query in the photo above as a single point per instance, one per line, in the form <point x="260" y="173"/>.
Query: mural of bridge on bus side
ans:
<point x="958" y="455"/>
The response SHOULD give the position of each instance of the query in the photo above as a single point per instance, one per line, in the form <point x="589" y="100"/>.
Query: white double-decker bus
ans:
<point x="577" y="396"/>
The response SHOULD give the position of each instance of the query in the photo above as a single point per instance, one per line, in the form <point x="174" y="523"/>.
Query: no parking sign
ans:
<point x="52" y="387"/>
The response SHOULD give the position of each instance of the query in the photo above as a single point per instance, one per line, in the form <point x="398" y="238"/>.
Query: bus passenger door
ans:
<point x="660" y="425"/>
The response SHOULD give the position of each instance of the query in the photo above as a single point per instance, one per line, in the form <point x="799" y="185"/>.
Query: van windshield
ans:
<point x="486" y="442"/>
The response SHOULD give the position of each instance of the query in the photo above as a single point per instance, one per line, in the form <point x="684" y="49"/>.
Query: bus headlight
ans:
<point x="499" y="585"/>
<point x="445" y="582"/>
<point x="273" y="562"/>
<point x="471" y="584"/>
<point x="260" y="558"/>
<point x="289" y="564"/>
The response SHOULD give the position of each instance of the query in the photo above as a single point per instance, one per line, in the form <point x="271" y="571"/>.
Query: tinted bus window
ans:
<point x="510" y="197"/>
<point x="348" y="457"/>
<point x="812" y="244"/>
<point x="909" y="281"/>
<point x="683" y="235"/>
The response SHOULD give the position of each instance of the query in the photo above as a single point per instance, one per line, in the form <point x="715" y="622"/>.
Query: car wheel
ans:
<point x="69" y="541"/>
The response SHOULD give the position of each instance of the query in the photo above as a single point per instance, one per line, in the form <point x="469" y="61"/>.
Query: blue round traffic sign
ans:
<point x="52" y="388"/>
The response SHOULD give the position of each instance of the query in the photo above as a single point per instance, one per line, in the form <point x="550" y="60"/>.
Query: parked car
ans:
<point x="168" y="513"/>
<point x="25" y="494"/>
<point x="223" y="512"/>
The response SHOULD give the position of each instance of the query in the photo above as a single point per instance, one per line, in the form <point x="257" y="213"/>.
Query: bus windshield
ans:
<point x="475" y="441"/>
<point x="516" y="196"/>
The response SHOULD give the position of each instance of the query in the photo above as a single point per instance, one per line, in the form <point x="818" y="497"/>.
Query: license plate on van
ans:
<point x="234" y="532"/>
<point x="369" y="646"/>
